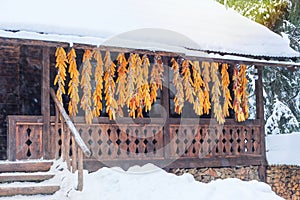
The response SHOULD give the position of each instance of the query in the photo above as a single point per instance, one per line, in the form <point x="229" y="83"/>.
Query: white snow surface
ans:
<point x="283" y="149"/>
<point x="164" y="25"/>
<point x="151" y="183"/>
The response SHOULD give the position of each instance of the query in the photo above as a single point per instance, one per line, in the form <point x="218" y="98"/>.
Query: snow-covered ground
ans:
<point x="283" y="149"/>
<point x="150" y="182"/>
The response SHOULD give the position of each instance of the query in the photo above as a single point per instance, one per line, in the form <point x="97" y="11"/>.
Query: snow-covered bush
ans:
<point x="282" y="120"/>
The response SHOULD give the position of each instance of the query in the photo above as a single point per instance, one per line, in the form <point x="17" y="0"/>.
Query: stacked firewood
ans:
<point x="285" y="181"/>
<point x="206" y="175"/>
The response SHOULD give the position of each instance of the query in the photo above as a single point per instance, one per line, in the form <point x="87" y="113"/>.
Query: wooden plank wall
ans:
<point x="20" y="84"/>
<point x="9" y="89"/>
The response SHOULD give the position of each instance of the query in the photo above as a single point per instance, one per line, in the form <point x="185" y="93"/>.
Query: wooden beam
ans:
<point x="25" y="177"/>
<point x="28" y="190"/>
<point x="241" y="59"/>
<point x="45" y="104"/>
<point x="184" y="162"/>
<point x="31" y="42"/>
<point x="260" y="116"/>
<point x="11" y="140"/>
<point x="28" y="166"/>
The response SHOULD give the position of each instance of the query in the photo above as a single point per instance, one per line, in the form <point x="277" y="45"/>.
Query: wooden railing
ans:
<point x="78" y="147"/>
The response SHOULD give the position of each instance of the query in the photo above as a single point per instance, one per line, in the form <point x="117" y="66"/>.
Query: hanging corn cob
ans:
<point x="73" y="84"/>
<point x="157" y="76"/>
<point x="139" y="86"/>
<point x="85" y="84"/>
<point x="131" y="83"/>
<point x="97" y="95"/>
<point x="61" y="60"/>
<point x="226" y="92"/>
<point x="244" y="83"/>
<point x="146" y="89"/>
<point x="177" y="81"/>
<point x="198" y="84"/>
<point x="216" y="93"/>
<point x="111" y="103"/>
<point x="239" y="115"/>
<point x="121" y="81"/>
<point x="187" y="82"/>
<point x="206" y="80"/>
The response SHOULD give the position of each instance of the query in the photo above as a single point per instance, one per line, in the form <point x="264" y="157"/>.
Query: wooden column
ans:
<point x="165" y="102"/>
<point x="45" y="104"/>
<point x="260" y="116"/>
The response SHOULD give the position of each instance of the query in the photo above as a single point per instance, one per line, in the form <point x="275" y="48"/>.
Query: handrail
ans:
<point x="77" y="152"/>
<point x="70" y="124"/>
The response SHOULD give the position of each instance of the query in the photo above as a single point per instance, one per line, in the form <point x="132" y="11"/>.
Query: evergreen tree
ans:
<point x="281" y="85"/>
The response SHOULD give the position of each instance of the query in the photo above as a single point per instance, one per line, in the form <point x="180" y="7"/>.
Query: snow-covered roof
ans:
<point x="168" y="25"/>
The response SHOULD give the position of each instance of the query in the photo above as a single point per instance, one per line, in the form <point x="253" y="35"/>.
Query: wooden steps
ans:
<point x="26" y="178"/>
<point x="27" y="166"/>
<point x="28" y="190"/>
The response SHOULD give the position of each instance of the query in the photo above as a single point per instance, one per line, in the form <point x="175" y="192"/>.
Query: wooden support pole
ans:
<point x="166" y="105"/>
<point x="80" y="170"/>
<point x="260" y="116"/>
<point x="63" y="145"/>
<point x="11" y="140"/>
<point x="74" y="155"/>
<point x="56" y="133"/>
<point x="67" y="149"/>
<point x="45" y="104"/>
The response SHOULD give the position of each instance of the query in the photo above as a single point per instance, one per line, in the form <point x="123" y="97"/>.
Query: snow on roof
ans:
<point x="208" y="25"/>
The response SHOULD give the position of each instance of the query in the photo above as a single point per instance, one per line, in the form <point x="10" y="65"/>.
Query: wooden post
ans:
<point x="80" y="170"/>
<point x="260" y="116"/>
<point x="56" y="133"/>
<point x="63" y="145"/>
<point x="74" y="155"/>
<point x="165" y="102"/>
<point x="11" y="140"/>
<point x="67" y="149"/>
<point x="45" y="104"/>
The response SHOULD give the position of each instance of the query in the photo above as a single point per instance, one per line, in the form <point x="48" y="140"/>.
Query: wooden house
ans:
<point x="195" y="57"/>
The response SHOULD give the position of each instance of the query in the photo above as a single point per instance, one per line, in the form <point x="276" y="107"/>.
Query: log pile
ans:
<point x="206" y="175"/>
<point x="285" y="181"/>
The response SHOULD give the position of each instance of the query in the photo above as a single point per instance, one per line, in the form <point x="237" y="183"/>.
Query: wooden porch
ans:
<point x="166" y="141"/>
<point x="175" y="144"/>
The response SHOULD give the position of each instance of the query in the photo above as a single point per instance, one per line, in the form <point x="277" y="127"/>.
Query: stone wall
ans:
<point x="284" y="180"/>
